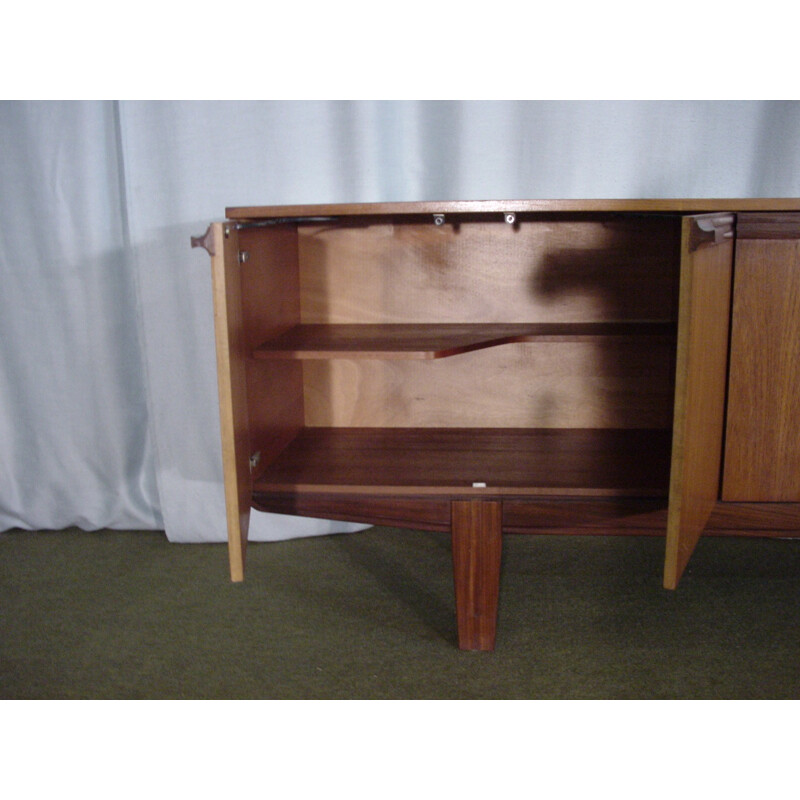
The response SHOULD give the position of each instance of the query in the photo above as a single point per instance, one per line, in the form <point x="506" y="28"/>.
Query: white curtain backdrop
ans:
<point x="108" y="404"/>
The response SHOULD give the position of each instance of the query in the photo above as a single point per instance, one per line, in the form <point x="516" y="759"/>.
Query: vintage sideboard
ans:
<point x="488" y="368"/>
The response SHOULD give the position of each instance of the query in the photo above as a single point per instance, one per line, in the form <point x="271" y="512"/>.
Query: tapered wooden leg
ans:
<point x="477" y="546"/>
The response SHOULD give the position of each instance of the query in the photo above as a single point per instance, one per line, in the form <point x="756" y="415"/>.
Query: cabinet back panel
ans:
<point x="543" y="270"/>
<point x="598" y="384"/>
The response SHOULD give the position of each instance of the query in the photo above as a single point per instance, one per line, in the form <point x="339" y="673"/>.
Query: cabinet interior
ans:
<point x="395" y="355"/>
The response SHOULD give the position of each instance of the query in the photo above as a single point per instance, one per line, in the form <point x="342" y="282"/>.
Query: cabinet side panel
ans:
<point x="231" y="380"/>
<point x="762" y="451"/>
<point x="270" y="282"/>
<point x="271" y="305"/>
<point x="699" y="396"/>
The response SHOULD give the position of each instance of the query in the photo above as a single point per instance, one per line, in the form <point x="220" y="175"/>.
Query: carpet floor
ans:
<point x="370" y="615"/>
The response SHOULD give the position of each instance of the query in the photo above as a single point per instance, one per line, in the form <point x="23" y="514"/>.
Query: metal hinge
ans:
<point x="254" y="460"/>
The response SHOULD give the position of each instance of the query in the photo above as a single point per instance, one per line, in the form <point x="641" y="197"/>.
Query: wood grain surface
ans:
<point x="762" y="451"/>
<point x="607" y="269"/>
<point x="701" y="373"/>
<point x="420" y="341"/>
<point x="477" y="544"/>
<point x="231" y="379"/>
<point x="566" y="462"/>
<point x="767" y="226"/>
<point x="603" y="516"/>
<point x="270" y="303"/>
<point x="589" y="384"/>
<point x="682" y="205"/>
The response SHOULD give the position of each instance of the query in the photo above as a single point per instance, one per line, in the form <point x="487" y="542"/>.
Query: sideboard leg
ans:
<point x="477" y="546"/>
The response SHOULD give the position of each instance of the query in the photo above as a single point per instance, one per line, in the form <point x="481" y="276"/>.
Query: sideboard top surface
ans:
<point x="655" y="205"/>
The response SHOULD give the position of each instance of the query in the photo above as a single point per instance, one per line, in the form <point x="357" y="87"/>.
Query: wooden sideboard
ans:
<point x="487" y="368"/>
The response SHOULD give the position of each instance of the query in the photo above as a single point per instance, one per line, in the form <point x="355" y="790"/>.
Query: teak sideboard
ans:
<point x="487" y="367"/>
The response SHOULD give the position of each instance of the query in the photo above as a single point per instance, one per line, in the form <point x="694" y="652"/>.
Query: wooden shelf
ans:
<point x="429" y="341"/>
<point x="449" y="461"/>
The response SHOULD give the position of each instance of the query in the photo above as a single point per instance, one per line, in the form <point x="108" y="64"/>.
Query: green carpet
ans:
<point x="370" y="615"/>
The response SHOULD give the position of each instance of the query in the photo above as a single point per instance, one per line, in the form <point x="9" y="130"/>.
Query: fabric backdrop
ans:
<point x="108" y="402"/>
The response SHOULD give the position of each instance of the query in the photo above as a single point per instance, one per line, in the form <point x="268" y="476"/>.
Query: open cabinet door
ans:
<point x="707" y="247"/>
<point x="222" y="243"/>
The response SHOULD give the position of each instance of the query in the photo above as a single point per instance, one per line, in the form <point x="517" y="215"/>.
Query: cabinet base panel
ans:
<point x="561" y="516"/>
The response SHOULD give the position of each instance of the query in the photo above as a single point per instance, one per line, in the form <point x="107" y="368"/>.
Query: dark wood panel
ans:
<point x="270" y="282"/>
<point x="270" y="304"/>
<point x="477" y="550"/>
<point x="768" y="226"/>
<point x="423" y="513"/>
<point x="521" y="515"/>
<point x="591" y="462"/>
<point x="756" y="517"/>
<point x="609" y="514"/>
<point x="422" y="341"/>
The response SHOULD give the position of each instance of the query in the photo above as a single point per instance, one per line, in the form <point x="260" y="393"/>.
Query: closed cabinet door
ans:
<point x="762" y="441"/>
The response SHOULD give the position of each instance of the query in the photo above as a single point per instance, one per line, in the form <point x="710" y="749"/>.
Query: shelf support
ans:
<point x="476" y="527"/>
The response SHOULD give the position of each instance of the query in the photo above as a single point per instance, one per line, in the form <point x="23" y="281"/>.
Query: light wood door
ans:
<point x="703" y="313"/>
<point x="229" y="329"/>
<point x="762" y="450"/>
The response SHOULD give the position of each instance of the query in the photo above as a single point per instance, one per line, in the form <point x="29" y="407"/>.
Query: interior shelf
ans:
<point x="493" y="461"/>
<point x="429" y="341"/>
